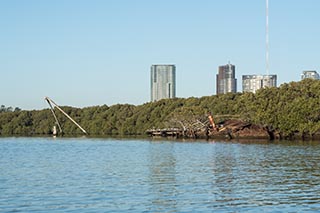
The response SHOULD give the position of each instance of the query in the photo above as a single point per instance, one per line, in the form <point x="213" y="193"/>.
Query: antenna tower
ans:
<point x="267" y="36"/>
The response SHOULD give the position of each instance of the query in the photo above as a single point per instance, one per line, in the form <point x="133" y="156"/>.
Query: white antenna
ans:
<point x="267" y="36"/>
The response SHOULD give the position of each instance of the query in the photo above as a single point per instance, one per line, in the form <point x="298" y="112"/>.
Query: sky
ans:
<point x="85" y="53"/>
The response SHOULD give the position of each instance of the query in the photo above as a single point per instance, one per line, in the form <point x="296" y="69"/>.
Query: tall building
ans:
<point x="251" y="83"/>
<point x="163" y="82"/>
<point x="310" y="74"/>
<point x="226" y="81"/>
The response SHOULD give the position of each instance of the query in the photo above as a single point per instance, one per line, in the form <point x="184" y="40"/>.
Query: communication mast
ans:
<point x="53" y="105"/>
<point x="267" y="37"/>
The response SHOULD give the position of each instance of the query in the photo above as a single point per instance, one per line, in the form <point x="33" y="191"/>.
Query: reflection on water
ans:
<point x="162" y="176"/>
<point x="114" y="175"/>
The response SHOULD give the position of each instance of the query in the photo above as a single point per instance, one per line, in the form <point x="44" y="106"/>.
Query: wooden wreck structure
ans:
<point x="228" y="128"/>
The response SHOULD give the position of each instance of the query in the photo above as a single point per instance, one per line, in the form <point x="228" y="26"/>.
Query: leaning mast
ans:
<point x="53" y="105"/>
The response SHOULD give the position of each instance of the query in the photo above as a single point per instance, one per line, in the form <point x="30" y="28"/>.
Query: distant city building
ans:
<point x="226" y="81"/>
<point x="163" y="82"/>
<point x="251" y="83"/>
<point x="310" y="74"/>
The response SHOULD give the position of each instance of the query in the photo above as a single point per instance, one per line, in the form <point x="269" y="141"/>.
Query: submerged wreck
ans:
<point x="228" y="128"/>
<point x="53" y="105"/>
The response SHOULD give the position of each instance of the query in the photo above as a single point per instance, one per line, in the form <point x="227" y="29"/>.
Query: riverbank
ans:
<point x="287" y="112"/>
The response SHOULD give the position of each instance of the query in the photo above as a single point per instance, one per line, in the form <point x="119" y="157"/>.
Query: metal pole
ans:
<point x="267" y="37"/>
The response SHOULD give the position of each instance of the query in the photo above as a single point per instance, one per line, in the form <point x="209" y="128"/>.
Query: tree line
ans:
<point x="291" y="110"/>
<point x="3" y="108"/>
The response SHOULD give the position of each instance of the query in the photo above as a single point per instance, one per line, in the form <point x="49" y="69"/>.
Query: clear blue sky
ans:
<point x="93" y="52"/>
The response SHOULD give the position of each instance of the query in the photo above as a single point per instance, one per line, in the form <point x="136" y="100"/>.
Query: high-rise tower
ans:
<point x="252" y="83"/>
<point x="310" y="74"/>
<point x="163" y="82"/>
<point x="226" y="81"/>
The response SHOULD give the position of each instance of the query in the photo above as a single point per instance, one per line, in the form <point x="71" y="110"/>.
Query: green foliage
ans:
<point x="3" y="108"/>
<point x="290" y="109"/>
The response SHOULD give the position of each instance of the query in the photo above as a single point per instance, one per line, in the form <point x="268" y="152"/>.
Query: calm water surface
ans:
<point x="110" y="175"/>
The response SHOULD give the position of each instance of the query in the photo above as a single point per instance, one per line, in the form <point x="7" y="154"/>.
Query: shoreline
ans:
<point x="147" y="137"/>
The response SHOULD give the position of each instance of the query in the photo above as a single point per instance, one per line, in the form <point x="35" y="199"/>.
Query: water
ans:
<point x="111" y="175"/>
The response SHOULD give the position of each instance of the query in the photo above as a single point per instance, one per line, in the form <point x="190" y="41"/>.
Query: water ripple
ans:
<point x="106" y="175"/>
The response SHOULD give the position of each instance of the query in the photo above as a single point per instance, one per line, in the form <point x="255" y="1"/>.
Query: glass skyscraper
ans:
<point x="163" y="82"/>
<point x="226" y="81"/>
